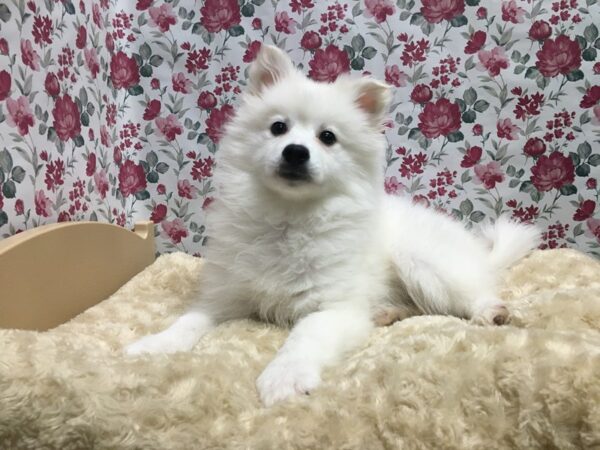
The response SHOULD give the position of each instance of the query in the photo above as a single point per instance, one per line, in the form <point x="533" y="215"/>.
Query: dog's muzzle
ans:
<point x="294" y="163"/>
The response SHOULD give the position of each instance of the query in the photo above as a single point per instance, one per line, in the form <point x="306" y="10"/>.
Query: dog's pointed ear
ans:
<point x="374" y="98"/>
<point x="271" y="64"/>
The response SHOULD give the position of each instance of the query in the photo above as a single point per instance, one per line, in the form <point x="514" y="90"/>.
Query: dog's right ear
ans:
<point x="271" y="65"/>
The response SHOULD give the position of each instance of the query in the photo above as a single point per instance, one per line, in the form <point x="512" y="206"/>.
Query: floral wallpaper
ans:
<point x="112" y="110"/>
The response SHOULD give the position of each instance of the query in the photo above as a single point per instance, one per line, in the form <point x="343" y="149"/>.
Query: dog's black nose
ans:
<point x="295" y="155"/>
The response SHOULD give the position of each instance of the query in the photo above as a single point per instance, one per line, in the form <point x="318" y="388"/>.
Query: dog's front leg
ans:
<point x="318" y="340"/>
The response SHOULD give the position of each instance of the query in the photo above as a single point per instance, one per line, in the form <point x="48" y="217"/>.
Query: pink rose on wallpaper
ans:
<point x="207" y="202"/>
<point x="81" y="37"/>
<point x="97" y="16"/>
<point x="507" y="130"/>
<point x="163" y="17"/>
<point x="220" y="15"/>
<point x="143" y="5"/>
<point x="19" y="207"/>
<point x="43" y="205"/>
<point x="217" y="120"/>
<point x="132" y="178"/>
<point x="421" y="94"/>
<point x="175" y="230"/>
<point x="591" y="97"/>
<point x="19" y="114"/>
<point x="476" y="42"/>
<point x="185" y="189"/>
<point x="51" y="84"/>
<point x="489" y="174"/>
<point x="593" y="228"/>
<point x="540" y="30"/>
<point x="170" y="127"/>
<point x="123" y="71"/>
<point x="284" y="23"/>
<point x="181" y="83"/>
<point x="379" y="9"/>
<point x="101" y="183"/>
<point x="439" y="119"/>
<point x="5" y="84"/>
<point x="3" y="47"/>
<point x="251" y="51"/>
<point x="67" y="123"/>
<point x="585" y="210"/>
<point x="395" y="77"/>
<point x="552" y="172"/>
<point x="90" y="167"/>
<point x="159" y="212"/>
<point x="152" y="110"/>
<point x="104" y="136"/>
<point x="511" y="12"/>
<point x="421" y="199"/>
<point x="328" y="64"/>
<point x="534" y="147"/>
<point x="207" y="100"/>
<point x="110" y="42"/>
<point x="393" y="186"/>
<point x="91" y="61"/>
<point x="29" y="56"/>
<point x="435" y="11"/>
<point x="311" y="40"/>
<point x="493" y="61"/>
<point x="558" y="56"/>
<point x="472" y="156"/>
<point x="64" y="216"/>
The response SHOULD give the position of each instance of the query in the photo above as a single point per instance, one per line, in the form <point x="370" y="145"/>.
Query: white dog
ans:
<point x="303" y="234"/>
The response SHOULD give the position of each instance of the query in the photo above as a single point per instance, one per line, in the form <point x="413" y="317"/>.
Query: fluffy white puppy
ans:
<point x="303" y="234"/>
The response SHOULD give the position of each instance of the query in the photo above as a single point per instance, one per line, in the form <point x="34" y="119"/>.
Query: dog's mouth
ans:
<point x="294" y="174"/>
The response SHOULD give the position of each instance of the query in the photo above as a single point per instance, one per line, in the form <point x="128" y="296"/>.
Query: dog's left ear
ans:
<point x="374" y="98"/>
<point x="271" y="65"/>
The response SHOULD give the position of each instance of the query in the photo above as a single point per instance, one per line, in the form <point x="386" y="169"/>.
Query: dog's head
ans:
<point x="304" y="139"/>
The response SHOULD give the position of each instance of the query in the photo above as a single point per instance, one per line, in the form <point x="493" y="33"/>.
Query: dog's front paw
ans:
<point x="164" y="342"/>
<point x="284" y="378"/>
<point x="497" y="314"/>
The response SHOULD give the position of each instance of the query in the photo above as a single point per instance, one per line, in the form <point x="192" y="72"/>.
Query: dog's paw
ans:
<point x="497" y="314"/>
<point x="284" y="378"/>
<point x="164" y="342"/>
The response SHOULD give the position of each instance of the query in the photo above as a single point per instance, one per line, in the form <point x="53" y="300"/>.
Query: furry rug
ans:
<point x="426" y="382"/>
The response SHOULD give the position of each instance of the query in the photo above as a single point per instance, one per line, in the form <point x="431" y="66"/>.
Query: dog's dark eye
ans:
<point x="278" y="128"/>
<point x="327" y="137"/>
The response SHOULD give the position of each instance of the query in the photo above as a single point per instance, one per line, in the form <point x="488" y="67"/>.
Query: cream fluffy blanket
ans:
<point x="426" y="382"/>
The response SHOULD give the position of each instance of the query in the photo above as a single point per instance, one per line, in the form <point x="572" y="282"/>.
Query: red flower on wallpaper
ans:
<point x="207" y="100"/>
<point x="159" y="212"/>
<point x="104" y="136"/>
<point x="152" y="110"/>
<point x="585" y="210"/>
<point x="202" y="168"/>
<point x="42" y="30"/>
<point x="379" y="9"/>
<point x="123" y="71"/>
<point x="163" y="17"/>
<point x="251" y="51"/>
<point x="329" y="63"/>
<point x="421" y="93"/>
<point x="591" y="97"/>
<point x="170" y="127"/>
<point x="175" y="230"/>
<point x="90" y="166"/>
<point x="19" y="114"/>
<point x="393" y="186"/>
<point x="5" y="84"/>
<point x="476" y="42"/>
<point x="43" y="205"/>
<point x="489" y="174"/>
<point x="552" y="172"/>
<point x="594" y="228"/>
<point x="558" y="56"/>
<point x="439" y="119"/>
<point x="101" y="183"/>
<point x="142" y="5"/>
<point x="435" y="11"/>
<point x="311" y="41"/>
<point x="540" y="30"/>
<point x="511" y="12"/>
<point x="207" y="202"/>
<point x="3" y="46"/>
<point x="395" y="77"/>
<point x="284" y="23"/>
<point x="29" y="56"/>
<point x="493" y="61"/>
<point x="534" y="147"/>
<point x="91" y="61"/>
<point x="217" y="120"/>
<point x="81" y="37"/>
<point x="185" y="189"/>
<point x="19" y="207"/>
<point x="220" y="15"/>
<point x="181" y="83"/>
<point x="132" y="178"/>
<point x="51" y="84"/>
<point x="472" y="156"/>
<point x="67" y="123"/>
<point x="505" y="129"/>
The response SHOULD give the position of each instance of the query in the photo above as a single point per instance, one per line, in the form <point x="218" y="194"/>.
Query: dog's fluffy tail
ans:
<point x="510" y="241"/>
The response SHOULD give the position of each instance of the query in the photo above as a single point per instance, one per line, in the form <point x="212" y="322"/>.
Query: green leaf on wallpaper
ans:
<point x="481" y="105"/>
<point x="6" y="161"/>
<point x="583" y="170"/>
<point x="349" y="51"/>
<point x="236" y="30"/>
<point x="358" y="43"/>
<point x="4" y="13"/>
<point x="455" y="137"/>
<point x="459" y="21"/>
<point x="466" y="207"/>
<point x="146" y="70"/>
<point x="469" y="116"/>
<point x="590" y="33"/>
<point x="85" y="119"/>
<point x="78" y="141"/>
<point x="584" y="150"/>
<point x="258" y="2"/>
<point x="417" y="19"/>
<point x="532" y="72"/>
<point x="142" y="195"/>
<point x="1" y="175"/>
<point x="145" y="51"/>
<point x="470" y="95"/>
<point x="9" y="189"/>
<point x="152" y="177"/>
<point x="477" y="216"/>
<point x="18" y="174"/>
<point x="162" y="167"/>
<point x="156" y="60"/>
<point x="152" y="158"/>
<point x="357" y="63"/>
<point x="589" y="54"/>
<point x="69" y="7"/>
<point x="3" y="218"/>
<point x="368" y="52"/>
<point x="135" y="90"/>
<point x="594" y="160"/>
<point x="568" y="189"/>
<point x="472" y="2"/>
<point x="248" y="10"/>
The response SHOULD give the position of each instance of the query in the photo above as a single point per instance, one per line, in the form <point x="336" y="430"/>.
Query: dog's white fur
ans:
<point x="332" y="254"/>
